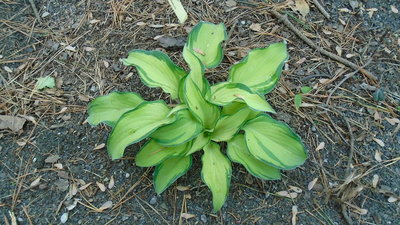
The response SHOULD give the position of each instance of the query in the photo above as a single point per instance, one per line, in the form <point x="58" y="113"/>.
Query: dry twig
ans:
<point x="35" y="11"/>
<point x="337" y="58"/>
<point x="321" y="9"/>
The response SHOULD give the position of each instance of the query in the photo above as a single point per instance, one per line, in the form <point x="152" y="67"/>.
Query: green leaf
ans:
<point x="169" y="171"/>
<point x="228" y="126"/>
<point x="198" y="143"/>
<point x="205" y="42"/>
<point x="234" y="107"/>
<point x="137" y="124"/>
<point x="45" y="82"/>
<point x="261" y="69"/>
<point x="225" y="93"/>
<point x="305" y="89"/>
<point x="216" y="174"/>
<point x="109" y="108"/>
<point x="179" y="11"/>
<point x="152" y="153"/>
<point x="196" y="70"/>
<point x="184" y="129"/>
<point x="237" y="151"/>
<point x="298" y="100"/>
<point x="156" y="70"/>
<point x="274" y="143"/>
<point x="204" y="111"/>
<point x="176" y="109"/>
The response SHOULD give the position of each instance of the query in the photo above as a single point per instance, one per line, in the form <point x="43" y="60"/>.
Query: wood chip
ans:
<point x="294" y="214"/>
<point x="89" y="49"/>
<point x="94" y="21"/>
<point x="52" y="159"/>
<point x="320" y="146"/>
<point x="101" y="186"/>
<point x="182" y="188"/>
<point x="100" y="146"/>
<point x="70" y="48"/>
<point x="378" y="156"/>
<point x="85" y="186"/>
<point x="379" y="141"/>
<point x="35" y="182"/>
<point x="106" y="64"/>
<point x="295" y="189"/>
<point x="58" y="166"/>
<point x="7" y="69"/>
<point x="312" y="183"/>
<point x="375" y="181"/>
<point x="255" y="27"/>
<point x="187" y="215"/>
<point x="105" y="206"/>
<point x="111" y="184"/>
<point x="338" y="50"/>
<point x="287" y="194"/>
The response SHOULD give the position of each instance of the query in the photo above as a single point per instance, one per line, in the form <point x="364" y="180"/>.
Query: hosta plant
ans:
<point x="204" y="117"/>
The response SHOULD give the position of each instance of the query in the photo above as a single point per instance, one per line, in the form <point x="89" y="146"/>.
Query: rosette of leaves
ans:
<point x="232" y="112"/>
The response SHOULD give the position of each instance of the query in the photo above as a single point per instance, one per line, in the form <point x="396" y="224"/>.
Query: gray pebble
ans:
<point x="153" y="200"/>
<point x="203" y="218"/>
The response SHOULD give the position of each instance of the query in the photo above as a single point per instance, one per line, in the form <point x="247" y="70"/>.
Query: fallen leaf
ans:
<point x="302" y="7"/>
<point x="73" y="190"/>
<point x="13" y="123"/>
<point x="140" y="23"/>
<point x="111" y="184"/>
<point x="294" y="214"/>
<point x="378" y="156"/>
<point x="312" y="183"/>
<point x="375" y="181"/>
<point x="255" y="27"/>
<point x="52" y="159"/>
<point x="35" y="182"/>
<point x="182" y="188"/>
<point x="100" y="146"/>
<point x="101" y="186"/>
<point x="379" y="141"/>
<point x="295" y="189"/>
<point x="106" y="205"/>
<point x="187" y="215"/>
<point x="392" y="199"/>
<point x="45" y="82"/>
<point x="64" y="217"/>
<point x="392" y="121"/>
<point x="286" y="194"/>
<point x="394" y="9"/>
<point x="326" y="31"/>
<point x="320" y="146"/>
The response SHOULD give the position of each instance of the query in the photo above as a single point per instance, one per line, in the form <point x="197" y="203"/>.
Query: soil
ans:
<point x="57" y="159"/>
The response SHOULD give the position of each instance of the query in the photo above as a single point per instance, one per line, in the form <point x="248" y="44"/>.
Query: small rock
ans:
<point x="153" y="200"/>
<point x="64" y="218"/>
<point x="203" y="218"/>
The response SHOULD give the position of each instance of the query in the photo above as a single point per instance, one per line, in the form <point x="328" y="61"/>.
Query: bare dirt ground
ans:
<point x="53" y="165"/>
